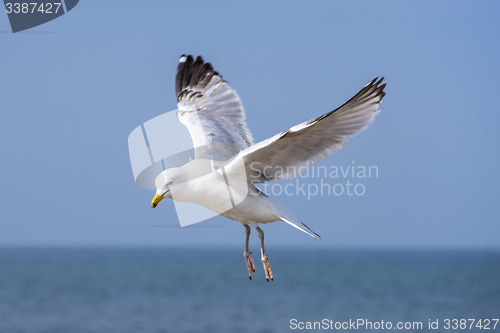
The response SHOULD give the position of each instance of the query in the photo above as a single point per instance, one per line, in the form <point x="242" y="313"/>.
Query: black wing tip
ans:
<point x="375" y="87"/>
<point x="193" y="73"/>
<point x="371" y="90"/>
<point x="189" y="58"/>
<point x="376" y="81"/>
<point x="381" y="89"/>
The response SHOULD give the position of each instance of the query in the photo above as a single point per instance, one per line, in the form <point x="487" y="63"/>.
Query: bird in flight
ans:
<point x="228" y="163"/>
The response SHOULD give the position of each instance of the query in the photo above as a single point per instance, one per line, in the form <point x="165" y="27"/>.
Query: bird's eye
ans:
<point x="170" y="182"/>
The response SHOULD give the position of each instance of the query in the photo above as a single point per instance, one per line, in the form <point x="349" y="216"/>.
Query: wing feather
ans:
<point x="285" y="154"/>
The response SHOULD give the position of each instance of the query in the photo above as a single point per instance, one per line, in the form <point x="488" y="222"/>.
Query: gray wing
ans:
<point x="285" y="154"/>
<point x="211" y="110"/>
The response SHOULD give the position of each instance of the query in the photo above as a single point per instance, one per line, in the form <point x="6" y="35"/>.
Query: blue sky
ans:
<point x="74" y="88"/>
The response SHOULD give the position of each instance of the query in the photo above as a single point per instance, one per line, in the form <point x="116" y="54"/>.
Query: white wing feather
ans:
<point x="211" y="110"/>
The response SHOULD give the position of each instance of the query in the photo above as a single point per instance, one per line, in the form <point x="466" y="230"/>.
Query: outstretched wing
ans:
<point x="211" y="110"/>
<point x="287" y="153"/>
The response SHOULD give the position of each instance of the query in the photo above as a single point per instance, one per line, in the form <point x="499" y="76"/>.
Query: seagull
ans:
<point x="227" y="157"/>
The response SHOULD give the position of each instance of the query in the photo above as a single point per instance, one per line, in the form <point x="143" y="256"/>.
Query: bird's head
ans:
<point x="163" y="183"/>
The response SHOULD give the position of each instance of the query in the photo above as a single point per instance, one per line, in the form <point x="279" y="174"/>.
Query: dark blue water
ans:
<point x="207" y="290"/>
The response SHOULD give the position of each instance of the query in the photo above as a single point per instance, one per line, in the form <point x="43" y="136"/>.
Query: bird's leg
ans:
<point x="265" y="259"/>
<point x="247" y="253"/>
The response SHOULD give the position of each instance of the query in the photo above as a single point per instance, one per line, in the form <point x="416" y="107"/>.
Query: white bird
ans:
<point x="225" y="153"/>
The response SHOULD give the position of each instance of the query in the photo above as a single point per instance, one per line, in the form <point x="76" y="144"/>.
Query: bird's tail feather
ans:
<point x="285" y="215"/>
<point x="294" y="222"/>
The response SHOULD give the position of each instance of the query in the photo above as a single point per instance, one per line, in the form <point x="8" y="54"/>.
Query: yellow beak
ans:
<point x="156" y="200"/>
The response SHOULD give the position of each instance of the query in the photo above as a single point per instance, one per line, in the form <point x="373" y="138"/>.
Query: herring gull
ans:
<point x="225" y="152"/>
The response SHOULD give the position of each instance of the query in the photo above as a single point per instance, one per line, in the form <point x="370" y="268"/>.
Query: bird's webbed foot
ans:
<point x="250" y="263"/>
<point x="267" y="268"/>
